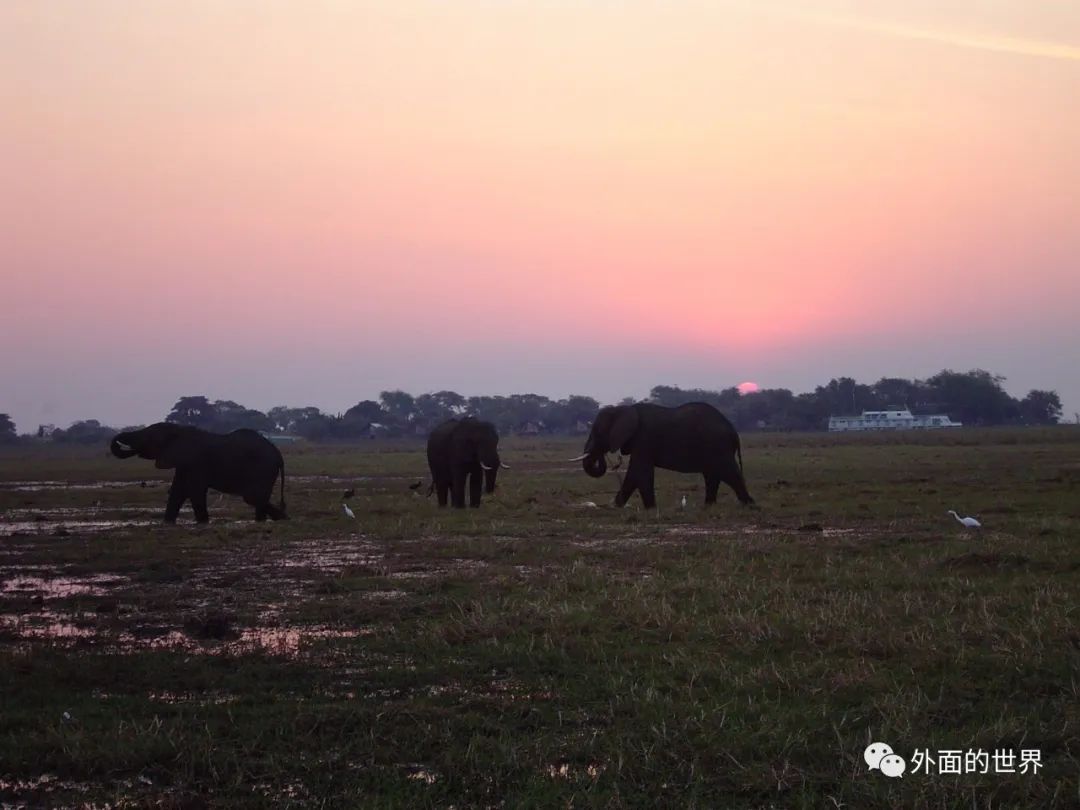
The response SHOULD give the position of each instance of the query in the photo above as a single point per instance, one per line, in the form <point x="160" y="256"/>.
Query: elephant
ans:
<point x="460" y="448"/>
<point x="242" y="462"/>
<point x="692" y="438"/>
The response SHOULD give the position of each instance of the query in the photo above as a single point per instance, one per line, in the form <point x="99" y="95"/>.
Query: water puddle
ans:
<point x="39" y="486"/>
<point x="613" y="542"/>
<point x="60" y="587"/>
<point x="452" y="566"/>
<point x="420" y="773"/>
<point x="374" y="596"/>
<point x="332" y="556"/>
<point x="47" y="527"/>
<point x="63" y="628"/>
<point x="705" y="531"/>
<point x="46" y="625"/>
<point x="357" y="479"/>
<point x="205" y="698"/>
<point x="567" y="770"/>
<point x="62" y="512"/>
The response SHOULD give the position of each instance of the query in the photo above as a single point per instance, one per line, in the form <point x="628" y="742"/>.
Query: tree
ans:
<point x="1040" y="408"/>
<point x="7" y="430"/>
<point x="399" y="407"/>
<point x="430" y="409"/>
<point x="895" y="392"/>
<point x="90" y="431"/>
<point x="975" y="397"/>
<point x="565" y="415"/>
<point x="367" y="409"/>
<point x="195" y="411"/>
<point x="316" y="426"/>
<point x="845" y="397"/>
<point x="357" y="421"/>
<point x="229" y="416"/>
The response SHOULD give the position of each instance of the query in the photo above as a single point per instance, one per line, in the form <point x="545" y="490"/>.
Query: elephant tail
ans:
<point x="431" y="488"/>
<point x="738" y="452"/>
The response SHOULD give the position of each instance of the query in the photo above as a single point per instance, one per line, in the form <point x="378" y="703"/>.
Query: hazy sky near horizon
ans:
<point x="306" y="203"/>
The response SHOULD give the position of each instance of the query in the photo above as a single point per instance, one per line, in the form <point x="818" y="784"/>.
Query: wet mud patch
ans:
<point x="976" y="560"/>
<point x="218" y="601"/>
<point x="614" y="542"/>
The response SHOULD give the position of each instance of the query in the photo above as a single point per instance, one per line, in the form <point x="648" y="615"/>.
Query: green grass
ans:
<point x="538" y="653"/>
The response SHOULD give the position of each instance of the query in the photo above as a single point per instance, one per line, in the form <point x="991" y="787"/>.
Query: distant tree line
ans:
<point x="975" y="398"/>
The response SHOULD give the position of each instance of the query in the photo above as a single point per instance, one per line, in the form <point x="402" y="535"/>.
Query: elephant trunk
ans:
<point x="595" y="465"/>
<point x="490" y="463"/>
<point x="120" y="448"/>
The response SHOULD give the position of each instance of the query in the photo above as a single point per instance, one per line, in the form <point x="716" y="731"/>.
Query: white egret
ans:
<point x="968" y="522"/>
<point x="348" y="511"/>
<point x="683" y="501"/>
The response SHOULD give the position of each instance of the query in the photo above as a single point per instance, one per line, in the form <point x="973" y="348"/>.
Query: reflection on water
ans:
<point x="66" y="628"/>
<point x="39" y="486"/>
<point x="332" y="555"/>
<point x="61" y="512"/>
<point x="47" y="625"/>
<point x="60" y="587"/>
<point x="67" y="526"/>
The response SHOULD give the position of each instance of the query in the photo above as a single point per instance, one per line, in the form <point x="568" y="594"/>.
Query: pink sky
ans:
<point x="286" y="203"/>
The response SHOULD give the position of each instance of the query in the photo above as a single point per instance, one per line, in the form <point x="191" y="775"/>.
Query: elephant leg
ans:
<point x="732" y="476"/>
<point x="457" y="489"/>
<point x="274" y="512"/>
<point x="442" y="489"/>
<point x="177" y="496"/>
<point x="647" y="488"/>
<point x="476" y="485"/>
<point x="629" y="484"/>
<point x="712" y="486"/>
<point x="198" y="505"/>
<point x="261" y="506"/>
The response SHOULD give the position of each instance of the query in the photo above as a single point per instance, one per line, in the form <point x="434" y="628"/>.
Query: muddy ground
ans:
<point x="541" y="650"/>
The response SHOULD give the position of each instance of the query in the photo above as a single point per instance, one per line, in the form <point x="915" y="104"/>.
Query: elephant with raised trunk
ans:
<point x="243" y="463"/>
<point x="459" y="449"/>
<point x="692" y="438"/>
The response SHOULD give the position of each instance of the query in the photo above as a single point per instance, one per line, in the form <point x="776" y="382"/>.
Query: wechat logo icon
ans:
<point x="880" y="756"/>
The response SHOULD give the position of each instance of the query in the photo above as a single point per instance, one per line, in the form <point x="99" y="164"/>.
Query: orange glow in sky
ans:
<point x="246" y="200"/>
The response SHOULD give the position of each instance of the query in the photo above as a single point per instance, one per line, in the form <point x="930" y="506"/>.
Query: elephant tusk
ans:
<point x="124" y="447"/>
<point x="580" y="458"/>
<point x="503" y="465"/>
<point x="486" y="467"/>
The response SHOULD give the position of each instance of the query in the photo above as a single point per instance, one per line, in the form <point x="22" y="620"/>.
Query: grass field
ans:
<point x="542" y="653"/>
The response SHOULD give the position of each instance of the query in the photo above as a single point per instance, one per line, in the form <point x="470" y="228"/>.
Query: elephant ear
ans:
<point x="622" y="430"/>
<point x="176" y="452"/>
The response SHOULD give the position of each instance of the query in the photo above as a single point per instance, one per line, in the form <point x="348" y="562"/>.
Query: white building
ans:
<point x="890" y="420"/>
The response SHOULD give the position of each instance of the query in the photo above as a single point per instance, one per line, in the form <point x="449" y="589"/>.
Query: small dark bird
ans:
<point x="142" y="484"/>
<point x="415" y="486"/>
<point x="348" y="494"/>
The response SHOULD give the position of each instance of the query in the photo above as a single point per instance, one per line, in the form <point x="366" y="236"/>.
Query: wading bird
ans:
<point x="348" y="511"/>
<point x="968" y="522"/>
